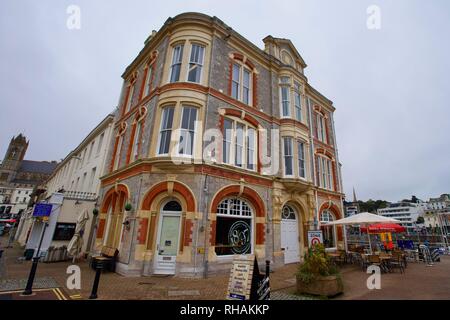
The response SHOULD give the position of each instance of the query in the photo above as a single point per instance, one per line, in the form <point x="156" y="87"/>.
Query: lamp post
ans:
<point x="29" y="288"/>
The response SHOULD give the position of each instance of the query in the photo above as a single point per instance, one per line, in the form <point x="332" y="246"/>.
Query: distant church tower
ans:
<point x="13" y="158"/>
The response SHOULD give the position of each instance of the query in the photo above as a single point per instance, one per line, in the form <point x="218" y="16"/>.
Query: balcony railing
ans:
<point x="77" y="195"/>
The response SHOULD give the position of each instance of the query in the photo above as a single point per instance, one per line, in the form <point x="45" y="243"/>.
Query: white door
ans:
<point x="290" y="236"/>
<point x="167" y="243"/>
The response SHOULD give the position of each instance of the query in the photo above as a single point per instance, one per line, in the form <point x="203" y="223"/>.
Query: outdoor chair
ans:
<point x="362" y="259"/>
<point x="374" y="260"/>
<point x="397" y="261"/>
<point x="342" y="259"/>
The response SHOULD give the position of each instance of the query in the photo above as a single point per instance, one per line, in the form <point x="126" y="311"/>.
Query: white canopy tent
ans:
<point x="365" y="219"/>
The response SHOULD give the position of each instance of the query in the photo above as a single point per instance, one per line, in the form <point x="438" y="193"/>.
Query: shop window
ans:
<point x="64" y="231"/>
<point x="233" y="227"/>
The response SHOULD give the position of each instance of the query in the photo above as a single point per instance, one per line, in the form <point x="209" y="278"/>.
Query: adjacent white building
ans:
<point x="406" y="212"/>
<point x="71" y="189"/>
<point x="437" y="213"/>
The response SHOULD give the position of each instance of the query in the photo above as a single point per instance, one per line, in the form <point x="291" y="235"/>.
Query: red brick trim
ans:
<point x="111" y="165"/>
<point x="110" y="195"/>
<point x="142" y="231"/>
<point x="224" y="173"/>
<point x="162" y="187"/>
<point x="101" y="228"/>
<point x="247" y="193"/>
<point x="131" y="143"/>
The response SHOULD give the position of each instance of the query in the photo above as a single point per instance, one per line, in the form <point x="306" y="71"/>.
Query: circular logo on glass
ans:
<point x="239" y="237"/>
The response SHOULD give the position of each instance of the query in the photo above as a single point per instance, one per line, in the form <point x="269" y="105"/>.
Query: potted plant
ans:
<point x="318" y="275"/>
<point x="128" y="207"/>
<point x="95" y="212"/>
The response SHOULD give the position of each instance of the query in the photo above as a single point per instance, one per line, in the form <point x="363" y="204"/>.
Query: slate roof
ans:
<point x="44" y="167"/>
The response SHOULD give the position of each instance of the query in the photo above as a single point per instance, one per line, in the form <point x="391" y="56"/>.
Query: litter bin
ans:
<point x="29" y="253"/>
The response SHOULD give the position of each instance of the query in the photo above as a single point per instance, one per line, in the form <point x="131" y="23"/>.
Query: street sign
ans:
<point x="42" y="210"/>
<point x="314" y="238"/>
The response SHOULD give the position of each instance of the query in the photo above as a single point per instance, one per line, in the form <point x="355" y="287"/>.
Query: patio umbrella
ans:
<point x="364" y="219"/>
<point x="76" y="243"/>
<point x="384" y="227"/>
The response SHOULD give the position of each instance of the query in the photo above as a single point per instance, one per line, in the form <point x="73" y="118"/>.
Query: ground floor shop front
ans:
<point x="192" y="224"/>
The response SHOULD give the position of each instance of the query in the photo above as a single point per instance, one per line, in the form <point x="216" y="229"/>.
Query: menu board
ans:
<point x="241" y="276"/>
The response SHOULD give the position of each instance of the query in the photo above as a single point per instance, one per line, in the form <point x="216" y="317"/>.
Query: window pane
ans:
<point x="176" y="63"/>
<point x="196" y="63"/>
<point x="285" y="101"/>
<point x="251" y="148"/>
<point x="288" y="156"/>
<point x="227" y="127"/>
<point x="301" y="160"/>
<point x="166" y="130"/>
<point x="187" y="130"/>
<point x="235" y="81"/>
<point x="246" y="87"/>
<point x="239" y="144"/>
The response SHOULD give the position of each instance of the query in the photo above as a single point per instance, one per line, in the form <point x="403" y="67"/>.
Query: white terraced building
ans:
<point x="406" y="212"/>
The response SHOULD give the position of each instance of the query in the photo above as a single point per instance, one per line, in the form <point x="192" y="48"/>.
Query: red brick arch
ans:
<point x="249" y="194"/>
<point x="337" y="215"/>
<point x="116" y="195"/>
<point x="150" y="230"/>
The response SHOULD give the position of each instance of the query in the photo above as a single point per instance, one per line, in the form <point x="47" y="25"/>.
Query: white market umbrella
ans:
<point x="76" y="243"/>
<point x="364" y="218"/>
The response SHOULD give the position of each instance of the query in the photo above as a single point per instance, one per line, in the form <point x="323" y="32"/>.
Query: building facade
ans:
<point x="437" y="214"/>
<point x="406" y="212"/>
<point x="219" y="148"/>
<point x="19" y="177"/>
<point x="72" y="188"/>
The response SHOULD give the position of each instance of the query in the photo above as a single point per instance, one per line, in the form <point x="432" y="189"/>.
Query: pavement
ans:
<point x="418" y="282"/>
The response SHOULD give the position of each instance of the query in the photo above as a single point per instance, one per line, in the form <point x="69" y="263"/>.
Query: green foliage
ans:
<point x="420" y="220"/>
<point x="372" y="205"/>
<point x="128" y="207"/>
<point x="317" y="263"/>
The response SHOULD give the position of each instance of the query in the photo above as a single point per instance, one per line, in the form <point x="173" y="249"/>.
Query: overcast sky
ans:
<point x="390" y="86"/>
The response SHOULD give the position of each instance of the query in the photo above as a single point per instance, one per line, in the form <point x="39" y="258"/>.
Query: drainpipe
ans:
<point x="204" y="227"/>
<point x="134" y="220"/>
<point x="313" y="164"/>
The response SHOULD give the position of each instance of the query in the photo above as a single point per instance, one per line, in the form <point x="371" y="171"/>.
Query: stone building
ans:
<point x="221" y="148"/>
<point x="19" y="177"/>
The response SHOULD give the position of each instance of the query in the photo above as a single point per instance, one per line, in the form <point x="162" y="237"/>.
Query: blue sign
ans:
<point x="42" y="210"/>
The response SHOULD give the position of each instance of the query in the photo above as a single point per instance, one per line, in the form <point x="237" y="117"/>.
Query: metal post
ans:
<point x="29" y="288"/>
<point x="98" y="272"/>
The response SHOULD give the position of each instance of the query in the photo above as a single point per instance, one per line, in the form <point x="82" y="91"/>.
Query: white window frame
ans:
<point x="299" y="154"/>
<point x="298" y="107"/>
<point x="163" y="109"/>
<point x="181" y="130"/>
<point x="199" y="64"/>
<point x="285" y="85"/>
<point x="291" y="155"/>
<point x="148" y="80"/>
<point x="240" y="83"/>
<point x="232" y="151"/>
<point x="321" y="128"/>
<point x="176" y="63"/>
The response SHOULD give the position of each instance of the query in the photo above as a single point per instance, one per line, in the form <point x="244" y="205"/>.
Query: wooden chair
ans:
<point x="342" y="259"/>
<point x="397" y="261"/>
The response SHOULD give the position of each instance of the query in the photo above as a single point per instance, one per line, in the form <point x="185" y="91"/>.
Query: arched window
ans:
<point x="288" y="213"/>
<point x="329" y="232"/>
<point x="233" y="227"/>
<point x="172" y="206"/>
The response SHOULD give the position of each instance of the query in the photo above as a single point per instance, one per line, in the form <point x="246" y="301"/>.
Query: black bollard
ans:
<point x="29" y="288"/>
<point x="98" y="272"/>
<point x="267" y="268"/>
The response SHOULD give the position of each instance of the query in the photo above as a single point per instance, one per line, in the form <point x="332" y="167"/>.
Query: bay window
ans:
<point x="165" y="133"/>
<point x="239" y="144"/>
<point x="175" y="68"/>
<point x="196" y="63"/>
<point x="288" y="156"/>
<point x="188" y="118"/>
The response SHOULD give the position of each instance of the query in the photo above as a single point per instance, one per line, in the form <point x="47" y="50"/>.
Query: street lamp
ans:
<point x="29" y="288"/>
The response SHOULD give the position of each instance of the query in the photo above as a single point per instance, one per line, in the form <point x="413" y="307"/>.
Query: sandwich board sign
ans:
<point x="243" y="278"/>
<point x="314" y="238"/>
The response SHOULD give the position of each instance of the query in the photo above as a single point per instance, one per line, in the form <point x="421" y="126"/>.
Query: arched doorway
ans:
<point x="290" y="235"/>
<point x="168" y="237"/>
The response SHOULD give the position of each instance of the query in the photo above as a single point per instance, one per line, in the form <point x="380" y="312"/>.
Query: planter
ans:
<point x="329" y="286"/>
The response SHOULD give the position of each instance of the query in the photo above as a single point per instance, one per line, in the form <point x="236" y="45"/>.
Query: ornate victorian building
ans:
<point x="220" y="148"/>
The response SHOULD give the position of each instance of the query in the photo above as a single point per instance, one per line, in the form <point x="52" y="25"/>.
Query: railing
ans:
<point x="78" y="195"/>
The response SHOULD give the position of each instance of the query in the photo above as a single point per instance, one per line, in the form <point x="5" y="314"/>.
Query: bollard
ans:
<point x="98" y="272"/>
<point x="29" y="288"/>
